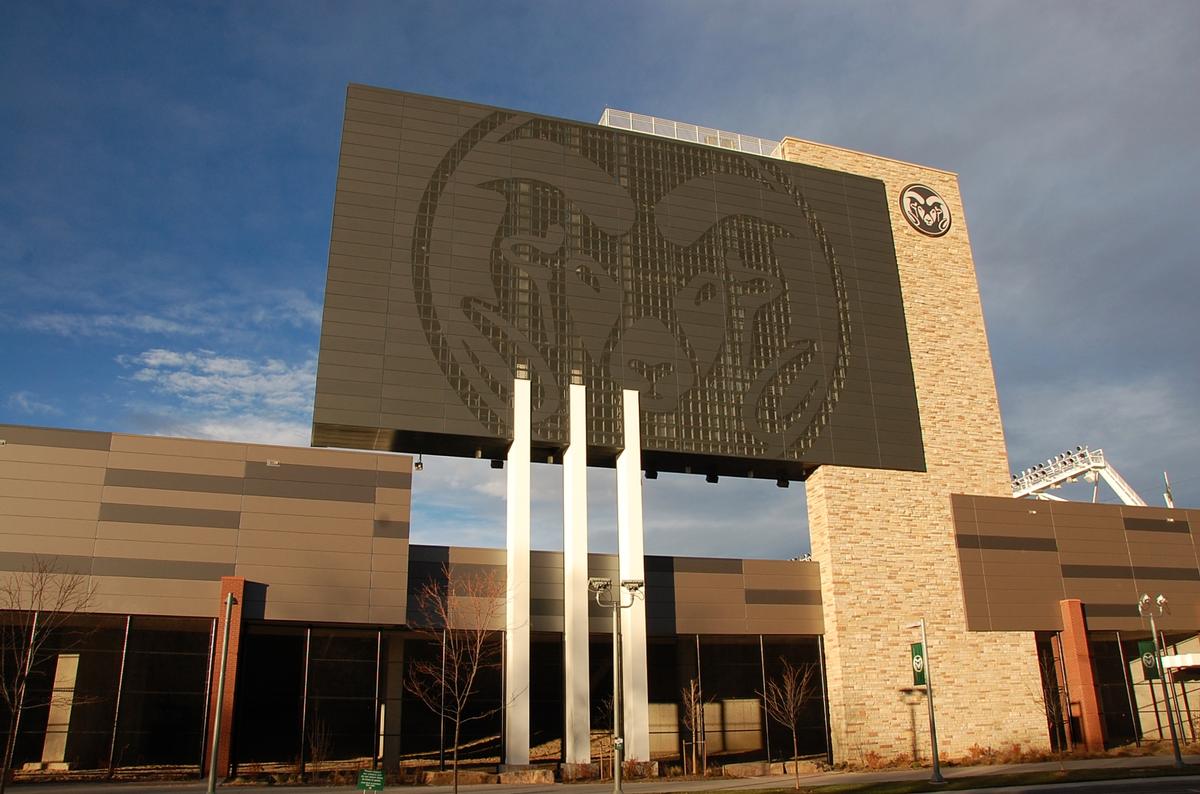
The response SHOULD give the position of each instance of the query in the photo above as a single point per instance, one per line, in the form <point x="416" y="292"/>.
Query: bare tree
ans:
<point x="693" y="702"/>
<point x="785" y="699"/>
<point x="36" y="604"/>
<point x="463" y="615"/>
<point x="1050" y="696"/>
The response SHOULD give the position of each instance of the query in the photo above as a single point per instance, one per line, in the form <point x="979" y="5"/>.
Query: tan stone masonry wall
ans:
<point x="885" y="540"/>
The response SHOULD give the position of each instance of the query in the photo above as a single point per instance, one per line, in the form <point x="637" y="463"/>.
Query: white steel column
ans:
<point x="516" y="610"/>
<point x="576" y="685"/>
<point x="631" y="562"/>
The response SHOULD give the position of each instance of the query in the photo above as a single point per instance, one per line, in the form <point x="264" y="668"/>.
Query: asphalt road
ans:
<point x="1164" y="785"/>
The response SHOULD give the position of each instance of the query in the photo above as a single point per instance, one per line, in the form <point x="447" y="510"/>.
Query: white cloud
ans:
<point x="242" y="427"/>
<point x="224" y="384"/>
<point x="221" y="315"/>
<point x="72" y="325"/>
<point x="29" y="403"/>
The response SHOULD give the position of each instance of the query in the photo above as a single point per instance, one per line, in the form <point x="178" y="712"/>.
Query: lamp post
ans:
<point x="936" y="777"/>
<point x="616" y="602"/>
<point x="1147" y="608"/>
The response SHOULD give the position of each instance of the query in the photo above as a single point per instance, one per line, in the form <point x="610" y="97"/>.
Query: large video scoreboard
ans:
<point x="754" y="303"/>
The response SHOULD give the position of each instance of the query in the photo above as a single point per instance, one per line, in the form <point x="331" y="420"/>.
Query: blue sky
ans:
<point x="167" y="170"/>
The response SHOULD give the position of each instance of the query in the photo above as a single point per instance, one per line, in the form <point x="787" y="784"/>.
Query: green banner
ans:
<point x="918" y="664"/>
<point x="1146" y="653"/>
<point x="370" y="780"/>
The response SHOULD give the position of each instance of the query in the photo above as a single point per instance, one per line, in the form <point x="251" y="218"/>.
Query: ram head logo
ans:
<point x="925" y="210"/>
<point x="715" y="294"/>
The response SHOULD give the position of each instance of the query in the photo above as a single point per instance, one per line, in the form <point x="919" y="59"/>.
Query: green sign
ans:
<point x="1147" y="653"/>
<point x="918" y="664"/>
<point x="370" y="780"/>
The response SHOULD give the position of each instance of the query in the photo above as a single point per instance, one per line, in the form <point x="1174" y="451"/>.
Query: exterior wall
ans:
<point x="885" y="540"/>
<point x="156" y="522"/>
<point x="684" y="595"/>
<point x="1020" y="557"/>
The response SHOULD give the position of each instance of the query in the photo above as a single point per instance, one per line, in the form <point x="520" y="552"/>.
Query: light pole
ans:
<point x="936" y="777"/>
<point x="616" y="602"/>
<point x="1147" y="608"/>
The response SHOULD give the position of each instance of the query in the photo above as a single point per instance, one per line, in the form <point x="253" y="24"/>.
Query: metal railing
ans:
<point x="693" y="133"/>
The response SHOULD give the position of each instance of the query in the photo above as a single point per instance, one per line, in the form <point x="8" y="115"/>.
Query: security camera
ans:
<point x="598" y="585"/>
<point x="633" y="585"/>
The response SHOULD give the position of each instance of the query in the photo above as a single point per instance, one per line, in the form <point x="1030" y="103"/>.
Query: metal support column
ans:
<point x="208" y="682"/>
<point x="576" y="682"/>
<point x="112" y="747"/>
<point x="304" y="700"/>
<point x="516" y="623"/>
<point x="825" y="702"/>
<point x="1133" y="713"/>
<point x="631" y="562"/>
<point x="376" y="749"/>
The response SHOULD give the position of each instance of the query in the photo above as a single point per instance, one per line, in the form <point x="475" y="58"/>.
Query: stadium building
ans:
<point x="645" y="295"/>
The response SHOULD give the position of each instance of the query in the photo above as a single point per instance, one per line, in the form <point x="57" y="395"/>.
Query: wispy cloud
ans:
<point x="225" y="384"/>
<point x="29" y="403"/>
<point x="73" y="325"/>
<point x="219" y="316"/>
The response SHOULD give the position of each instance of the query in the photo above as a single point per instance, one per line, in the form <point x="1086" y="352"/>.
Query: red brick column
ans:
<point x="1077" y="658"/>
<point x="237" y="586"/>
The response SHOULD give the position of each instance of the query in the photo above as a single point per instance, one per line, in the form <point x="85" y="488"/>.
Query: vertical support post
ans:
<point x="229" y="626"/>
<point x="1175" y="693"/>
<point x="375" y="748"/>
<point x="208" y="693"/>
<point x="516" y="623"/>
<point x="618" y="699"/>
<point x="937" y="761"/>
<point x="632" y="565"/>
<point x="393" y="685"/>
<point x="304" y="699"/>
<point x="216" y="736"/>
<point x="825" y="702"/>
<point x="1133" y="715"/>
<point x="766" y="719"/>
<point x="1077" y="659"/>
<point x="1065" y="694"/>
<point x="576" y="683"/>
<point x="1162" y="679"/>
<point x="112" y="747"/>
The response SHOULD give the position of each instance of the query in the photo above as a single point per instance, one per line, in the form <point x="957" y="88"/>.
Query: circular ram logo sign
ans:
<point x="925" y="210"/>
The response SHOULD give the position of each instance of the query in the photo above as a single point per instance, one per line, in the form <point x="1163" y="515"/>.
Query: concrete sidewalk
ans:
<point x="658" y="786"/>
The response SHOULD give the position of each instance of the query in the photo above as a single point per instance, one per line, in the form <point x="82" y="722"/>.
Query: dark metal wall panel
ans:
<point x="1018" y="558"/>
<point x="754" y="303"/>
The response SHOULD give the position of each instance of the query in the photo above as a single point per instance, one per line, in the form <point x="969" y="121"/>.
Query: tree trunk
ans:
<point x="457" y="722"/>
<point x="796" y="757"/>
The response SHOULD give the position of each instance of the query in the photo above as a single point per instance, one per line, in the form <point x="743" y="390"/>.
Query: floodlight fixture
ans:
<point x="599" y="584"/>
